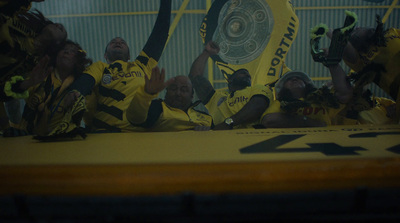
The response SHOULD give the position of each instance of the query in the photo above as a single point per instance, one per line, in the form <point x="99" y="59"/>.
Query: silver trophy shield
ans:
<point x="243" y="31"/>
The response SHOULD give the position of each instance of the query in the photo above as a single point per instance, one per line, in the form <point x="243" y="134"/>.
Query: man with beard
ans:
<point x="239" y="107"/>
<point x="175" y="113"/>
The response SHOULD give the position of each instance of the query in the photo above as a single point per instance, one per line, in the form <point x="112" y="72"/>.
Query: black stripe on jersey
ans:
<point x="111" y="110"/>
<point x="197" y="103"/>
<point x="102" y="125"/>
<point x="394" y="88"/>
<point x="143" y="60"/>
<point x="112" y="93"/>
<point x="141" y="68"/>
<point x="209" y="96"/>
<point x="153" y="114"/>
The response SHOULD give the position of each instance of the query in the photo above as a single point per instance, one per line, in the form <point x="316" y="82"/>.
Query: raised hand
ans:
<point x="70" y="98"/>
<point x="38" y="74"/>
<point x="156" y="83"/>
<point x="212" y="48"/>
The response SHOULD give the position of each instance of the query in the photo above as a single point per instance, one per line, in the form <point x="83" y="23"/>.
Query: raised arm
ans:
<point x="139" y="108"/>
<point x="158" y="37"/>
<point x="202" y="85"/>
<point x="344" y="91"/>
<point x="350" y="54"/>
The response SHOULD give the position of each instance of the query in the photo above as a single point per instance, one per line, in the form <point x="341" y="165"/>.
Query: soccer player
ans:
<point x="301" y="104"/>
<point x="117" y="81"/>
<point x="239" y="107"/>
<point x="375" y="54"/>
<point x="45" y="113"/>
<point x="175" y="113"/>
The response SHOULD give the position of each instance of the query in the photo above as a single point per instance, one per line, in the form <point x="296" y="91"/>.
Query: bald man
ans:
<point x="175" y="113"/>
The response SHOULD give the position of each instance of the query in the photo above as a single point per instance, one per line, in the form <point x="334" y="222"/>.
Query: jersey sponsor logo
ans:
<point x="115" y="72"/>
<point x="132" y="74"/>
<point x="241" y="99"/>
<point x="313" y="111"/>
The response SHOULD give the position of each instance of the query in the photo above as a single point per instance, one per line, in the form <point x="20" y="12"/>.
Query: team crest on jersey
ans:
<point x="221" y="100"/>
<point x="107" y="79"/>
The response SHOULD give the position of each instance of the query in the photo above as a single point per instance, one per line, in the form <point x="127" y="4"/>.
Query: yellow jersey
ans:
<point x="155" y="115"/>
<point x="223" y="104"/>
<point x="116" y="84"/>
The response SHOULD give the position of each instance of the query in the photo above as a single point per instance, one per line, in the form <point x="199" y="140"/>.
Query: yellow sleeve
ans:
<point x="262" y="90"/>
<point x="274" y="107"/>
<point x="96" y="71"/>
<point x="385" y="102"/>
<point x="146" y="62"/>
<point x="139" y="106"/>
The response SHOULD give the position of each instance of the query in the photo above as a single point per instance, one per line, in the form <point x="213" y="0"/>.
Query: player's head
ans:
<point x="180" y="93"/>
<point x="362" y="38"/>
<point x="293" y="84"/>
<point x="72" y="56"/>
<point x="49" y="35"/>
<point x="117" y="49"/>
<point x="239" y="80"/>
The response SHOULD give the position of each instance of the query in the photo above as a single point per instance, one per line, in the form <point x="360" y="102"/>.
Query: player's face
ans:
<point x="241" y="79"/>
<point x="294" y="83"/>
<point x="117" y="49"/>
<point x="180" y="93"/>
<point x="66" y="58"/>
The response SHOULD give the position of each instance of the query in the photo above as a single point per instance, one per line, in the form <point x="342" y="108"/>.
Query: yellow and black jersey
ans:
<point x="224" y="104"/>
<point x="155" y="115"/>
<point x="116" y="83"/>
<point x="16" y="48"/>
<point x="314" y="111"/>
<point x="45" y="111"/>
<point x="163" y="118"/>
<point x="377" y="114"/>
<point x="388" y="56"/>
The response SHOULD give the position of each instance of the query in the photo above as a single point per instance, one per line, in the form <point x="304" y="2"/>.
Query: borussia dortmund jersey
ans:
<point x="17" y="49"/>
<point x="377" y="114"/>
<point x="45" y="112"/>
<point x="389" y="57"/>
<point x="116" y="84"/>
<point x="314" y="111"/>
<point x="173" y="119"/>
<point x="156" y="115"/>
<point x="223" y="105"/>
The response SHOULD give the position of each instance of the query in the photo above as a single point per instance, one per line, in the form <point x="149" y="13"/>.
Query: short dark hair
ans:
<point x="82" y="60"/>
<point x="35" y="20"/>
<point x="238" y="71"/>
<point x="105" y="50"/>
<point x="286" y="95"/>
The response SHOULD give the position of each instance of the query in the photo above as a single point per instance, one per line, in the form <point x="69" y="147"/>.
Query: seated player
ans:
<point x="175" y="113"/>
<point x="239" y="107"/>
<point x="47" y="113"/>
